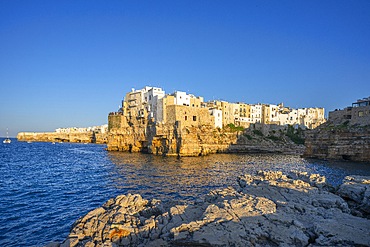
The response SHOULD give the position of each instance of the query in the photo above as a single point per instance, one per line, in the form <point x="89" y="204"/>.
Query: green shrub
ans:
<point x="295" y="135"/>
<point x="248" y="137"/>
<point x="274" y="138"/>
<point x="235" y="128"/>
<point x="258" y="132"/>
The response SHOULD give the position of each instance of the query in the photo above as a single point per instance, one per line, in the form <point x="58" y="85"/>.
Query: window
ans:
<point x="360" y="113"/>
<point x="194" y="118"/>
<point x="186" y="118"/>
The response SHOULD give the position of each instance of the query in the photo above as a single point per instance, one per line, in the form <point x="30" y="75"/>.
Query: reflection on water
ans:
<point x="187" y="178"/>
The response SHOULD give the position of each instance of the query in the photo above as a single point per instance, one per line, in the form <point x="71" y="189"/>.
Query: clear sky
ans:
<point x="70" y="63"/>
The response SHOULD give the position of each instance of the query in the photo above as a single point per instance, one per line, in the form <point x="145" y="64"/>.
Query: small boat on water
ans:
<point x="7" y="140"/>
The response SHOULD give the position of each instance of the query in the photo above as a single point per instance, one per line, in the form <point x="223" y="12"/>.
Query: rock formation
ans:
<point x="140" y="135"/>
<point x="266" y="209"/>
<point x="339" y="141"/>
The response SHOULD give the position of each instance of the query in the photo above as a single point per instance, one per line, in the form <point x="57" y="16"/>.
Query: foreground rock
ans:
<point x="267" y="209"/>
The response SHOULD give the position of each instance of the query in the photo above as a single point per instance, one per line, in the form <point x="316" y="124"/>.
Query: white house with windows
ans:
<point x="181" y="98"/>
<point x="152" y="96"/>
<point x="217" y="114"/>
<point x="256" y="113"/>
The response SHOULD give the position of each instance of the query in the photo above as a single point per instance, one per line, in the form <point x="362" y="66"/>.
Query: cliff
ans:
<point x="140" y="135"/>
<point x="266" y="209"/>
<point x="88" y="137"/>
<point x="339" y="141"/>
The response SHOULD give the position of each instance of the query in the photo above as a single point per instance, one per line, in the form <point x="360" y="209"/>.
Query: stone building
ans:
<point x="152" y="104"/>
<point x="358" y="113"/>
<point x="188" y="116"/>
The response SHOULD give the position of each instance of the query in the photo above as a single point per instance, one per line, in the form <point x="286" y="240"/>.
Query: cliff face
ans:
<point x="89" y="137"/>
<point x="139" y="135"/>
<point x="341" y="141"/>
<point x="170" y="140"/>
<point x="265" y="209"/>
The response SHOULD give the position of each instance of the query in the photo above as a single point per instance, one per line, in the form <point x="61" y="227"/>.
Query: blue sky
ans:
<point x="69" y="63"/>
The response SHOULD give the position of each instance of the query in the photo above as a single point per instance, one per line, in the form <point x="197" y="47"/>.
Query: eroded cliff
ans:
<point x="140" y="135"/>
<point x="339" y="141"/>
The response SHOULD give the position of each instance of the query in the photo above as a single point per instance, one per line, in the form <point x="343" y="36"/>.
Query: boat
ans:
<point x="7" y="140"/>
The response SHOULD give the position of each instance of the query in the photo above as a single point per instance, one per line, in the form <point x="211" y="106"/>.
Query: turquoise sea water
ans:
<point x="45" y="187"/>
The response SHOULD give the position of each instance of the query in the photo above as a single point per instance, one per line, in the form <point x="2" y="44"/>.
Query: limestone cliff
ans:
<point x="266" y="209"/>
<point x="88" y="137"/>
<point x="140" y="135"/>
<point x="339" y="141"/>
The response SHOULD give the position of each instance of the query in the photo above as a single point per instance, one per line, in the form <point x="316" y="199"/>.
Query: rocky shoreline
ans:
<point x="268" y="208"/>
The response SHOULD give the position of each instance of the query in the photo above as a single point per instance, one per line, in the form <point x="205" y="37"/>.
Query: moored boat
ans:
<point x="7" y="140"/>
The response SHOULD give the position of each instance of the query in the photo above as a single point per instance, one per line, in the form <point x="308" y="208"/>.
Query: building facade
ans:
<point x="358" y="113"/>
<point x="152" y="104"/>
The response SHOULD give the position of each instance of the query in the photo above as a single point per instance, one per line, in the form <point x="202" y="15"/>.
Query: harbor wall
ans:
<point x="89" y="137"/>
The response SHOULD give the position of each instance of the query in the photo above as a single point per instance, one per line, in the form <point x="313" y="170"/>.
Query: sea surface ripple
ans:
<point x="45" y="187"/>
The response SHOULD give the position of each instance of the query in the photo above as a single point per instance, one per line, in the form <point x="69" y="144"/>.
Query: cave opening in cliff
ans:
<point x="346" y="157"/>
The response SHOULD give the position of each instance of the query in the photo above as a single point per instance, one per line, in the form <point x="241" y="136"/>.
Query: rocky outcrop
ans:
<point x="139" y="135"/>
<point x="88" y="137"/>
<point x="266" y="209"/>
<point x="343" y="141"/>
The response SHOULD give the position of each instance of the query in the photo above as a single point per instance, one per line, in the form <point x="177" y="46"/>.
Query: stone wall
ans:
<point x="189" y="116"/>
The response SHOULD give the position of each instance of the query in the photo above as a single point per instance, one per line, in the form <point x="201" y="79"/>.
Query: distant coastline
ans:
<point x="96" y="134"/>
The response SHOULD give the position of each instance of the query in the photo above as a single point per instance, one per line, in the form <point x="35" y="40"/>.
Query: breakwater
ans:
<point x="86" y="137"/>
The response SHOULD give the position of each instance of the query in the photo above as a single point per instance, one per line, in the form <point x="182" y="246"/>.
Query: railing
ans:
<point x="115" y="113"/>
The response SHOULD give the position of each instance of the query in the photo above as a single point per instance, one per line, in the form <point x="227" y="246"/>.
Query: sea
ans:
<point x="46" y="187"/>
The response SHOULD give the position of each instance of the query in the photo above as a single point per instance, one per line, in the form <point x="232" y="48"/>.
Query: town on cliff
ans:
<point x="182" y="124"/>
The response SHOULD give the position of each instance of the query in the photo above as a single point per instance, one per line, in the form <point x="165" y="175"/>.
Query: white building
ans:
<point x="217" y="114"/>
<point x="152" y="97"/>
<point x="256" y="113"/>
<point x="181" y="98"/>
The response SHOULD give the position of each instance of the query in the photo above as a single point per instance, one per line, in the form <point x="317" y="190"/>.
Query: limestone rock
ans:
<point x="356" y="189"/>
<point x="343" y="141"/>
<point x="141" y="135"/>
<point x="267" y="209"/>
